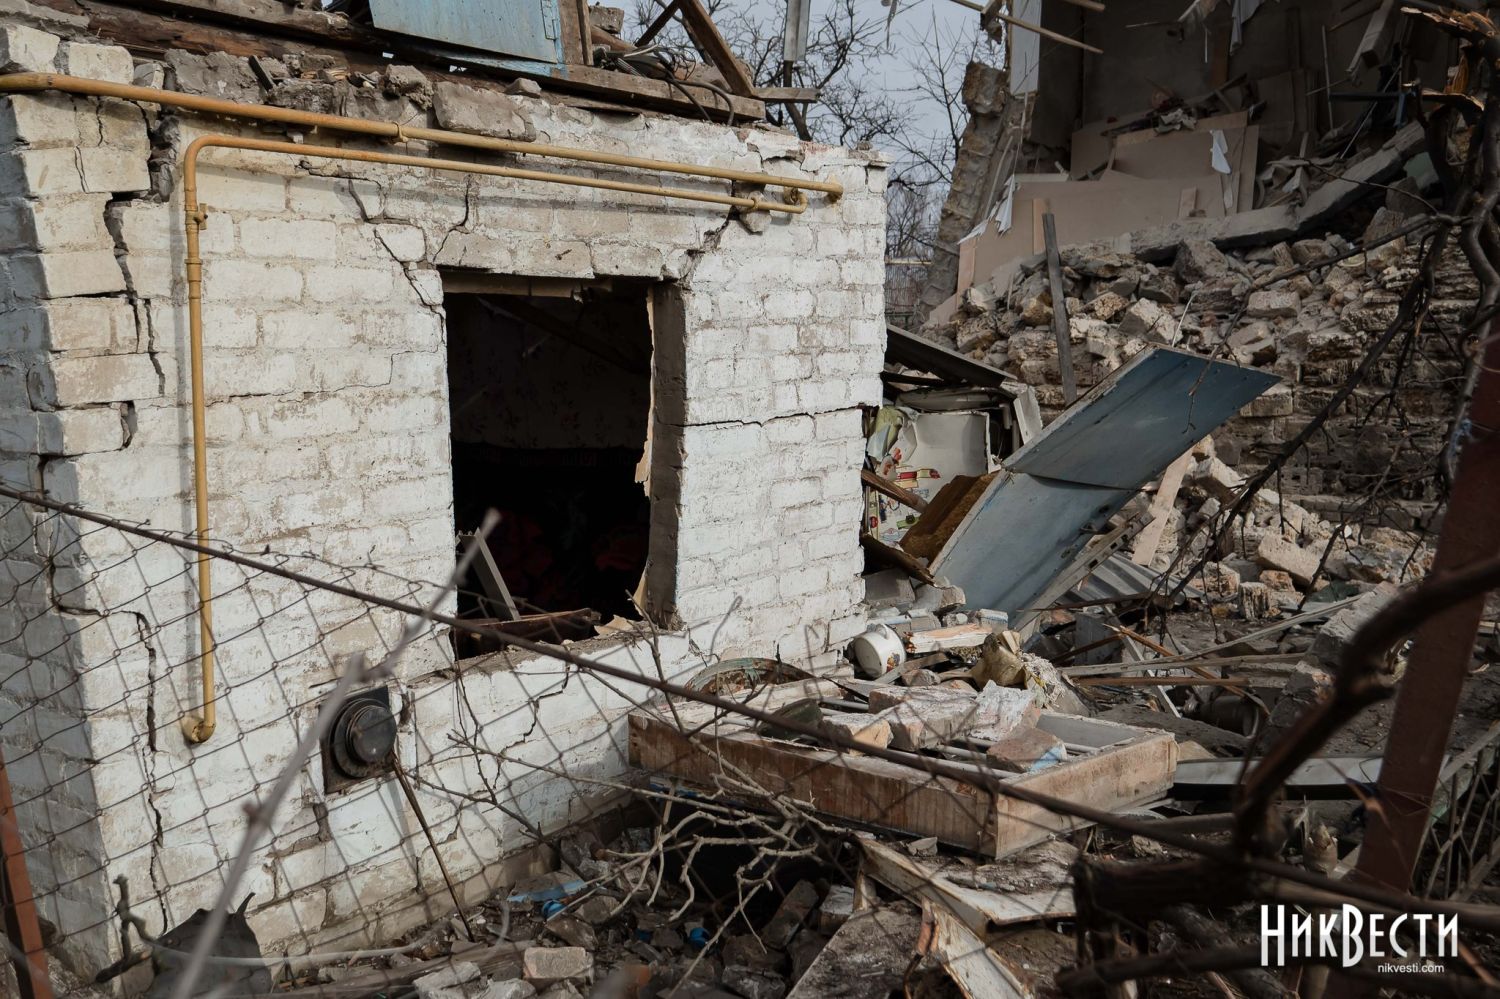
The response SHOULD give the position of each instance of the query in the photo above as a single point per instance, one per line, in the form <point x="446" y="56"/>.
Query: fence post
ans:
<point x="18" y="903"/>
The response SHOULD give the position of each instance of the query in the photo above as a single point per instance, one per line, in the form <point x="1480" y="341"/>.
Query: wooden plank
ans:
<point x="1060" y="327"/>
<point x="978" y="971"/>
<point x="1130" y="774"/>
<point x="788" y="95"/>
<point x="862" y="789"/>
<point x="18" y="901"/>
<point x="1371" y="50"/>
<point x="1132" y="766"/>
<point x="578" y="38"/>
<point x="1143" y="550"/>
<point x="889" y="488"/>
<point x="705" y="34"/>
<point x="981" y="911"/>
<point x="153" y="27"/>
<point x="1188" y="203"/>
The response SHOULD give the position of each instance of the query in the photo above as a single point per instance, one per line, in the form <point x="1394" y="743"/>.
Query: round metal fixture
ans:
<point x="364" y="735"/>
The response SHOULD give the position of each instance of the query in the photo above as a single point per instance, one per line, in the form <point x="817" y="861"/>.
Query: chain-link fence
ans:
<point x="371" y="807"/>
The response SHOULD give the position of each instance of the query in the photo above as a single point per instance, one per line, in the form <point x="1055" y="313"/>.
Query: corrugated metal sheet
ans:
<point x="1118" y="578"/>
<point x="527" y="29"/>
<point x="1063" y="486"/>
<point x="1136" y="422"/>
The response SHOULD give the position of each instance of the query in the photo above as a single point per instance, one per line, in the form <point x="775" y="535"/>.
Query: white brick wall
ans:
<point x="327" y="434"/>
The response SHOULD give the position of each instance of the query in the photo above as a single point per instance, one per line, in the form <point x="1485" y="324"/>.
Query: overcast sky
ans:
<point x="953" y="25"/>
<point x="916" y="21"/>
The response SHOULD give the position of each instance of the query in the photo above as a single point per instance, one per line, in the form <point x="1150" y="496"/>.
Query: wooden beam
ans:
<point x="895" y="492"/>
<point x="705" y="34"/>
<point x="787" y="95"/>
<point x="153" y="27"/>
<point x="1060" y="328"/>
<point x="895" y="558"/>
<point x="1160" y="510"/>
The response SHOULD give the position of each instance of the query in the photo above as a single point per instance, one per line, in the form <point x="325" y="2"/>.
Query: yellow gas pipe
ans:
<point x="199" y="729"/>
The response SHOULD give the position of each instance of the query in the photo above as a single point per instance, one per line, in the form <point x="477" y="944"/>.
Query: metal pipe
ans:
<point x="461" y="166"/>
<point x="200" y="729"/>
<point x="33" y="82"/>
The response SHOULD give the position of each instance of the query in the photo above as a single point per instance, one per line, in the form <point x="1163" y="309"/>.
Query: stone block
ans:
<point x="793" y="911"/>
<point x="81" y="431"/>
<point x="1216" y="479"/>
<point x="863" y="728"/>
<point x="288" y="237"/>
<point x="1274" y="401"/>
<point x="922" y="717"/>
<point x="544" y="966"/>
<point x="1277" y="580"/>
<point x="97" y="62"/>
<point x="38" y="172"/>
<point x="1108" y="305"/>
<point x="65" y="274"/>
<point x="515" y="988"/>
<point x="1332" y="640"/>
<point x="1273" y="304"/>
<point x="106" y="171"/>
<point x="71" y="380"/>
<point x="446" y="983"/>
<point x="482" y="112"/>
<point x="1298" y="562"/>
<point x="1145" y="318"/>
<point x="27" y="50"/>
<point x="1199" y="260"/>
<point x="1027" y="748"/>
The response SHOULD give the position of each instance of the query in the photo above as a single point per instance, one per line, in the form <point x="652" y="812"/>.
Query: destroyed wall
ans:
<point x="1309" y="329"/>
<point x="1153" y="55"/>
<point x="327" y="430"/>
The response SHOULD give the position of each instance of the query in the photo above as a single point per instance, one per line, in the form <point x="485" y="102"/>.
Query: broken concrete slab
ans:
<point x="959" y="636"/>
<point x="1027" y="748"/>
<point x="922" y="717"/>
<point x="865" y="729"/>
<point x="1333" y="639"/>
<point x="482" y="112"/>
<point x="793" y="911"/>
<point x="447" y="983"/>
<point x="545" y="966"/>
<point x="867" y="957"/>
<point x="888" y="588"/>
<point x="1277" y="553"/>
<point x="1273" y="303"/>
<point x="1199" y="260"/>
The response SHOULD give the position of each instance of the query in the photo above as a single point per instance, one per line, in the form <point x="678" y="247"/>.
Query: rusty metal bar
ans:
<point x="1442" y="649"/>
<point x="29" y="957"/>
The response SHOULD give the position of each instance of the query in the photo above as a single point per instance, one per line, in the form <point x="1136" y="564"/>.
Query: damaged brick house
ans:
<point x="389" y="350"/>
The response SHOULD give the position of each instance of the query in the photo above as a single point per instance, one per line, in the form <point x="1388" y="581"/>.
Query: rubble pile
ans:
<point x="1310" y="328"/>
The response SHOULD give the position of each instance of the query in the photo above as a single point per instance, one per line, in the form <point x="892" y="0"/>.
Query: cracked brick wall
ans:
<point x="327" y="434"/>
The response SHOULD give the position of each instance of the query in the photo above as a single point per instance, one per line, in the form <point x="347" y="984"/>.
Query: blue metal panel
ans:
<point x="527" y="29"/>
<point x="1020" y="535"/>
<point x="1062" y="487"/>
<point x="1138" y="420"/>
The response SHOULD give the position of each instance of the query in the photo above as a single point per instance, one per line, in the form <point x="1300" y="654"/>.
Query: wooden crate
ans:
<point x="1121" y="766"/>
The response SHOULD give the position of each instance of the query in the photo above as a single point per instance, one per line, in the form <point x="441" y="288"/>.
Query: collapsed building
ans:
<point x="470" y="530"/>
